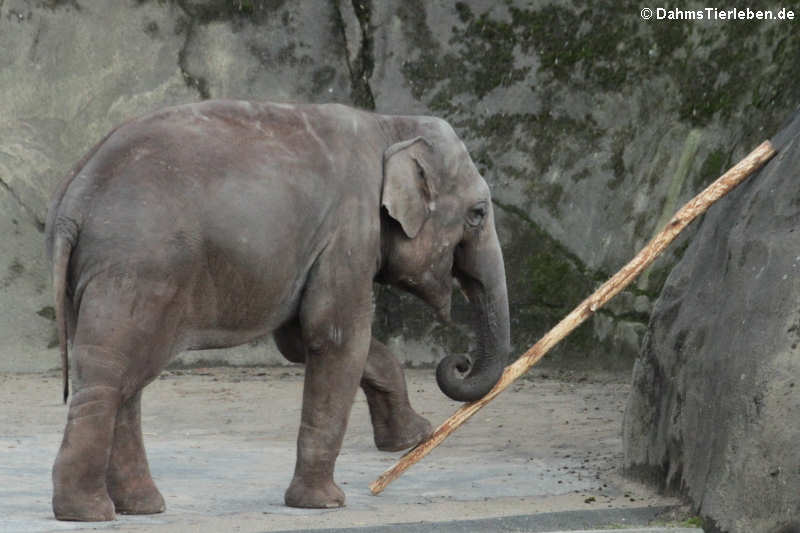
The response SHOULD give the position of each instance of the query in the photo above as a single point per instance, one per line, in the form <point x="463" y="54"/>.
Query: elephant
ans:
<point x="211" y="224"/>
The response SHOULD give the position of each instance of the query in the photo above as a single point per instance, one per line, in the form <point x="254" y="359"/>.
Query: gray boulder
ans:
<point x="590" y="124"/>
<point x="715" y="408"/>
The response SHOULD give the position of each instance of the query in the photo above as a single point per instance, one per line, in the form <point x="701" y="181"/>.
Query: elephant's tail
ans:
<point x="62" y="251"/>
<point x="61" y="234"/>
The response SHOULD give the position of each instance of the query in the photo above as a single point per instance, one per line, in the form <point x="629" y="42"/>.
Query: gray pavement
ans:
<point x="558" y="522"/>
<point x="221" y="445"/>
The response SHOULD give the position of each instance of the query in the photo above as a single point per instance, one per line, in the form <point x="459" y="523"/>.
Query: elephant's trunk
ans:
<point x="480" y="270"/>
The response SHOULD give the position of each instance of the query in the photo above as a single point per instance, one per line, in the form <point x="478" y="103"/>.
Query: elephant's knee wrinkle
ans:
<point x="105" y="394"/>
<point x="92" y="408"/>
<point x="97" y="365"/>
<point x="376" y="385"/>
<point x="324" y="342"/>
<point x="335" y="335"/>
<point x="325" y="338"/>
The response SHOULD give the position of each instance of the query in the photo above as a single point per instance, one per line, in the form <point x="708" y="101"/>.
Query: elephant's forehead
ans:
<point x="466" y="175"/>
<point x="479" y="188"/>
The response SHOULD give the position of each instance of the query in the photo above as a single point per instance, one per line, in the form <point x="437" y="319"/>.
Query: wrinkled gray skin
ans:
<point x="212" y="224"/>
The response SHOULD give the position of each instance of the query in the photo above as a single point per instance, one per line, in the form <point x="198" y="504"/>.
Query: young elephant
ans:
<point x="212" y="224"/>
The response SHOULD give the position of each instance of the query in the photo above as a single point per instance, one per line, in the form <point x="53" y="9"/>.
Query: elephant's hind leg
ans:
<point x="121" y="343"/>
<point x="128" y="478"/>
<point x="395" y="424"/>
<point x="79" y="473"/>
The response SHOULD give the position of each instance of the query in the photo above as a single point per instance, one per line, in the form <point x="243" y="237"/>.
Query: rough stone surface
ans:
<point x="716" y="392"/>
<point x="590" y="124"/>
<point x="65" y="80"/>
<point x="592" y="128"/>
<point x="280" y="51"/>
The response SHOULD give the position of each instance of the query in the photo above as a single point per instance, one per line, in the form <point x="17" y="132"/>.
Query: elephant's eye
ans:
<point x="477" y="213"/>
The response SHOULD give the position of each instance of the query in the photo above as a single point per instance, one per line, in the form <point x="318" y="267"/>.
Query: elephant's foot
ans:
<point x="324" y="495"/>
<point x="137" y="498"/>
<point x="402" y="432"/>
<point x="75" y="506"/>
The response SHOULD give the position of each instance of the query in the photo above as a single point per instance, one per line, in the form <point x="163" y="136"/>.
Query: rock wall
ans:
<point x="716" y="397"/>
<point x="590" y="124"/>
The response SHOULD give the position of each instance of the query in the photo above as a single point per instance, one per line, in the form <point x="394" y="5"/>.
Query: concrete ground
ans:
<point x="544" y="456"/>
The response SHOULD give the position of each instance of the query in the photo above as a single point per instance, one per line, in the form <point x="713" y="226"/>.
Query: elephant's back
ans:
<point x="200" y="190"/>
<point x="218" y="159"/>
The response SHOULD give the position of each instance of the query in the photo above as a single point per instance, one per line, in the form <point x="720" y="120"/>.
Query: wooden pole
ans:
<point x="698" y="205"/>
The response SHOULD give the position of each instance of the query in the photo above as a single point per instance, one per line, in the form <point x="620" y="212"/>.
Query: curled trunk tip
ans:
<point x="462" y="381"/>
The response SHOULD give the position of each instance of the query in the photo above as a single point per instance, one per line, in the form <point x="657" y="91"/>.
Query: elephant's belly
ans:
<point x="234" y="328"/>
<point x="206" y="339"/>
<point x="240" y="306"/>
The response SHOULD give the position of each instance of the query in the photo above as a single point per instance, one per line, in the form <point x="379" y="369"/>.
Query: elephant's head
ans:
<point x="438" y="225"/>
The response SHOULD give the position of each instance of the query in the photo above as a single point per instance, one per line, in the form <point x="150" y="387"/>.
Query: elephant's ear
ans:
<point x="407" y="191"/>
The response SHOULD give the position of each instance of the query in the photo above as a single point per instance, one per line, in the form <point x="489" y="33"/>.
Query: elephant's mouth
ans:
<point x="435" y="290"/>
<point x="458" y="286"/>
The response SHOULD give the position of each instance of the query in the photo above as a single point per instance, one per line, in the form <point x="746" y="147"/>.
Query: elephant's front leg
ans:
<point x="395" y="424"/>
<point x="337" y="344"/>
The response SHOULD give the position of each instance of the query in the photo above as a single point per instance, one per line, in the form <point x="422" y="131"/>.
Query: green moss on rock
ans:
<point x="713" y="166"/>
<point x="560" y="60"/>
<point x="547" y="283"/>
